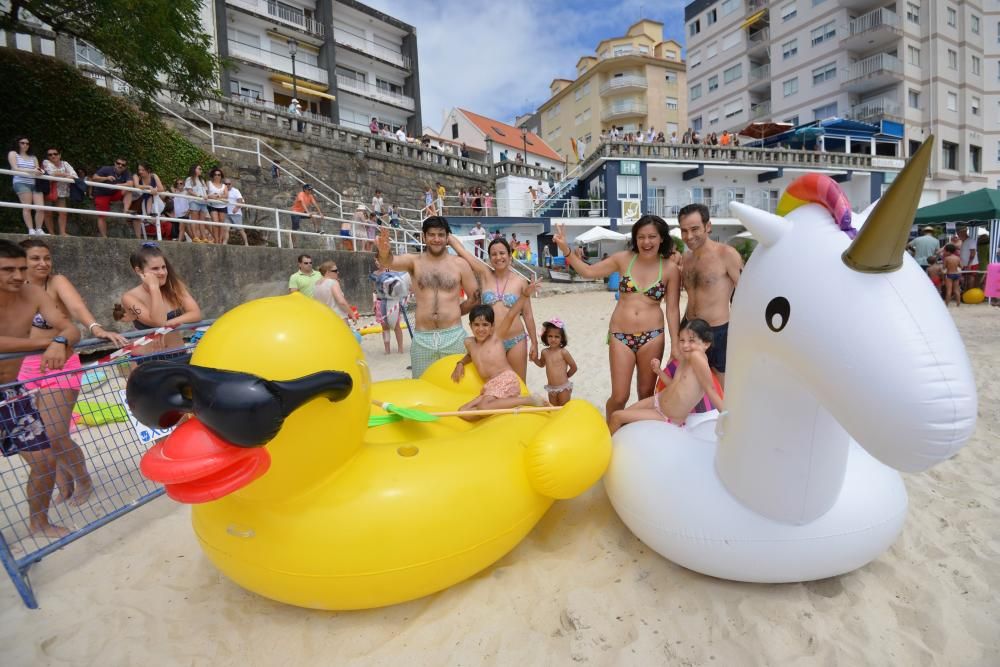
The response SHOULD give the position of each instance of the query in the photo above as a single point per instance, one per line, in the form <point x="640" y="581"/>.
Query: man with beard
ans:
<point x="438" y="281"/>
<point x="710" y="272"/>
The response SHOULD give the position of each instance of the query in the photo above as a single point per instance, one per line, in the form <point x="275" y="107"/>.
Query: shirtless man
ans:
<point x="711" y="271"/>
<point x="21" y="428"/>
<point x="438" y="281"/>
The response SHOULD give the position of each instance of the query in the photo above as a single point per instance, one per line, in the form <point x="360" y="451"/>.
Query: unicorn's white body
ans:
<point x="836" y="378"/>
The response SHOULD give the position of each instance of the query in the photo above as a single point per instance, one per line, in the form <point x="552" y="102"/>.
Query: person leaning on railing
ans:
<point x="54" y="165"/>
<point x="25" y="185"/>
<point x="161" y="299"/>
<point x="56" y="395"/>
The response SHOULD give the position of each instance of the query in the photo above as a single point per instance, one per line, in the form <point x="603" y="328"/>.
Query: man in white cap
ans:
<point x="924" y="246"/>
<point x="296" y="110"/>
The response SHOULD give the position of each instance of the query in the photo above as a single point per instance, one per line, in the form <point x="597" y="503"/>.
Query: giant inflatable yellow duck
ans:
<point x="309" y="506"/>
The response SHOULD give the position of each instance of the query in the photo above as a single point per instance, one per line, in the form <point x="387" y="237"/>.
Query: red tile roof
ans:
<point x="508" y="135"/>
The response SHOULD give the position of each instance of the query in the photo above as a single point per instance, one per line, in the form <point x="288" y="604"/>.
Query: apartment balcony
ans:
<point x="758" y="43"/>
<point x="872" y="73"/>
<point x="757" y="5"/>
<point x="281" y="14"/>
<point x="760" y="110"/>
<point x="622" y="84"/>
<point x="276" y="61"/>
<point x="873" y="111"/>
<point x="760" y="77"/>
<point x="875" y="30"/>
<point x="626" y="110"/>
<point x="377" y="93"/>
<point x="360" y="44"/>
<point x="860" y="4"/>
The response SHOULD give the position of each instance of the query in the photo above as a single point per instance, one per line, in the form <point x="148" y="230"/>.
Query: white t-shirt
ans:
<point x="400" y="135"/>
<point x="969" y="245"/>
<point x="234" y="199"/>
<point x="180" y="207"/>
<point x="478" y="231"/>
<point x="377" y="203"/>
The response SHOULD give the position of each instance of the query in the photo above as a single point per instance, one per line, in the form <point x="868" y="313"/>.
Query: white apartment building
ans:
<point x="930" y="65"/>
<point x="352" y="63"/>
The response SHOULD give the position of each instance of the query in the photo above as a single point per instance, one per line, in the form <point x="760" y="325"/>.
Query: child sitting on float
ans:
<point x="484" y="349"/>
<point x="690" y="384"/>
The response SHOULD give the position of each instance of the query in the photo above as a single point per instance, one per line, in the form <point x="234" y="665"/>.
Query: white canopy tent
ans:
<point x="597" y="234"/>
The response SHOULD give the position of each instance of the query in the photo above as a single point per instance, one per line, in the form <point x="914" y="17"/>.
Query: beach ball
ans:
<point x="974" y="295"/>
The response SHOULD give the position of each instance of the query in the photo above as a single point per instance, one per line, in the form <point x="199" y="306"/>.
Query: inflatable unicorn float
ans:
<point x="843" y="368"/>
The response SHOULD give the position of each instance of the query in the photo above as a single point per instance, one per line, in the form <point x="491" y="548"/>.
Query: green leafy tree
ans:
<point x="145" y="39"/>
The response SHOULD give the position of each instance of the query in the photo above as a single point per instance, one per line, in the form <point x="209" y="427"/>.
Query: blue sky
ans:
<point x="498" y="58"/>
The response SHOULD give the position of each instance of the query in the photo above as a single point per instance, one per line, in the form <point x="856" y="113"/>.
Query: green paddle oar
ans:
<point x="381" y="420"/>
<point x="412" y="414"/>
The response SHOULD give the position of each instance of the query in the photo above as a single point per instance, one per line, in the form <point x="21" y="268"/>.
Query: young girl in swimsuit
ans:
<point x="691" y="383"/>
<point x="558" y="363"/>
<point x="57" y="393"/>
<point x="649" y="293"/>
<point x="501" y="287"/>
<point x="161" y="300"/>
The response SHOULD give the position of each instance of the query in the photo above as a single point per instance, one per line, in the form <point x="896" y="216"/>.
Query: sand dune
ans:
<point x="580" y="588"/>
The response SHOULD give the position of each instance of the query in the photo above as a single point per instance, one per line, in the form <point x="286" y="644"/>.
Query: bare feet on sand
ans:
<point x="84" y="488"/>
<point x="49" y="530"/>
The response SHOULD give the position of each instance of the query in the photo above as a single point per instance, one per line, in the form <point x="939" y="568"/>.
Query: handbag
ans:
<point x="53" y="193"/>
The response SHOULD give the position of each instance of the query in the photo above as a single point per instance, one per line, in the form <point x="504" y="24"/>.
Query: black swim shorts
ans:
<point x="21" y="427"/>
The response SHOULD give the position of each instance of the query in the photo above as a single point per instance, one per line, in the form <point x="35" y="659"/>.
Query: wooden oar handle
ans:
<point x="504" y="411"/>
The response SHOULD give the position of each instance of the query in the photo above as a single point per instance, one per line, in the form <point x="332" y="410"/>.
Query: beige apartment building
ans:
<point x="928" y="65"/>
<point x="633" y="82"/>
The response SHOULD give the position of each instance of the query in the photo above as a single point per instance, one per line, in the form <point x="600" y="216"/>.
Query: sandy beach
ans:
<point x="581" y="588"/>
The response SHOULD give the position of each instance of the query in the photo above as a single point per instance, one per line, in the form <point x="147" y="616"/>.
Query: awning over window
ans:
<point x="304" y="88"/>
<point x="753" y="19"/>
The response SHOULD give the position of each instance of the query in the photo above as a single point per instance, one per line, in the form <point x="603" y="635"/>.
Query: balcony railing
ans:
<point x="756" y="5"/>
<point x="718" y="207"/>
<point x="760" y="110"/>
<point x="875" y="110"/>
<point x="740" y="156"/>
<point x="880" y="63"/>
<point x="760" y="73"/>
<point x="375" y="92"/>
<point x="623" y="110"/>
<point x="277" y="61"/>
<point x="282" y="13"/>
<point x="631" y="81"/>
<point x="759" y="38"/>
<point x="357" y="42"/>
<point x="878" y="19"/>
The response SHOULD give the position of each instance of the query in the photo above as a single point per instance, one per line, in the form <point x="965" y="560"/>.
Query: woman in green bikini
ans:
<point x="649" y="294"/>
<point x="501" y="288"/>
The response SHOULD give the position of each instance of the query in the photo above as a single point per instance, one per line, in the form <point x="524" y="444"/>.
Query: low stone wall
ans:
<point x="220" y="277"/>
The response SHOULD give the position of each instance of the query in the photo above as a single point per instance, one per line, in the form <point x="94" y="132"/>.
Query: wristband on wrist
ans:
<point x="90" y="328"/>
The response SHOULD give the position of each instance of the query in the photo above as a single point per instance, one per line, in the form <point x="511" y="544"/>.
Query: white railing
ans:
<point x="279" y="220"/>
<point x="374" y="92"/>
<point x="619" y="52"/>
<point x="877" y="109"/>
<point x="630" y="81"/>
<point x="759" y="38"/>
<point x="278" y="11"/>
<point x="760" y="110"/>
<point x="880" y="62"/>
<point x="278" y="61"/>
<point x="357" y="42"/>
<point x="760" y="73"/>
<point x="718" y="207"/>
<point x="628" y="109"/>
<point x="756" y="5"/>
<point x="874" y="20"/>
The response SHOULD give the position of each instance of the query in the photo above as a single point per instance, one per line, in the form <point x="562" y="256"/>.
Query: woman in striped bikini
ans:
<point x="637" y="323"/>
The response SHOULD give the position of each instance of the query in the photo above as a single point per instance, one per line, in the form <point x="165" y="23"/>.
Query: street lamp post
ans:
<point x="524" y="140"/>
<point x="293" y="48"/>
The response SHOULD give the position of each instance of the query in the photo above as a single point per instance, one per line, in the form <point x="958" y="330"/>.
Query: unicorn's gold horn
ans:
<point x="879" y="246"/>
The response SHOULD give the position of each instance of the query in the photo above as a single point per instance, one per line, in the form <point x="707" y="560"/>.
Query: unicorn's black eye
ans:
<point x="776" y="314"/>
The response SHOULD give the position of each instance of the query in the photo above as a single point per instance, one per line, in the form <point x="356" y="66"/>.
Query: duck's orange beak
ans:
<point x="197" y="466"/>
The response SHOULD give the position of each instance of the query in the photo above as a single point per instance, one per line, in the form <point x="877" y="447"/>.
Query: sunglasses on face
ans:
<point x="243" y="409"/>
<point x="52" y="154"/>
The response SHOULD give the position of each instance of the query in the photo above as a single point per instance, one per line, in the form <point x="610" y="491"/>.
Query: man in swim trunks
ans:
<point x="711" y="271"/>
<point x="438" y="281"/>
<point x="22" y="431"/>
